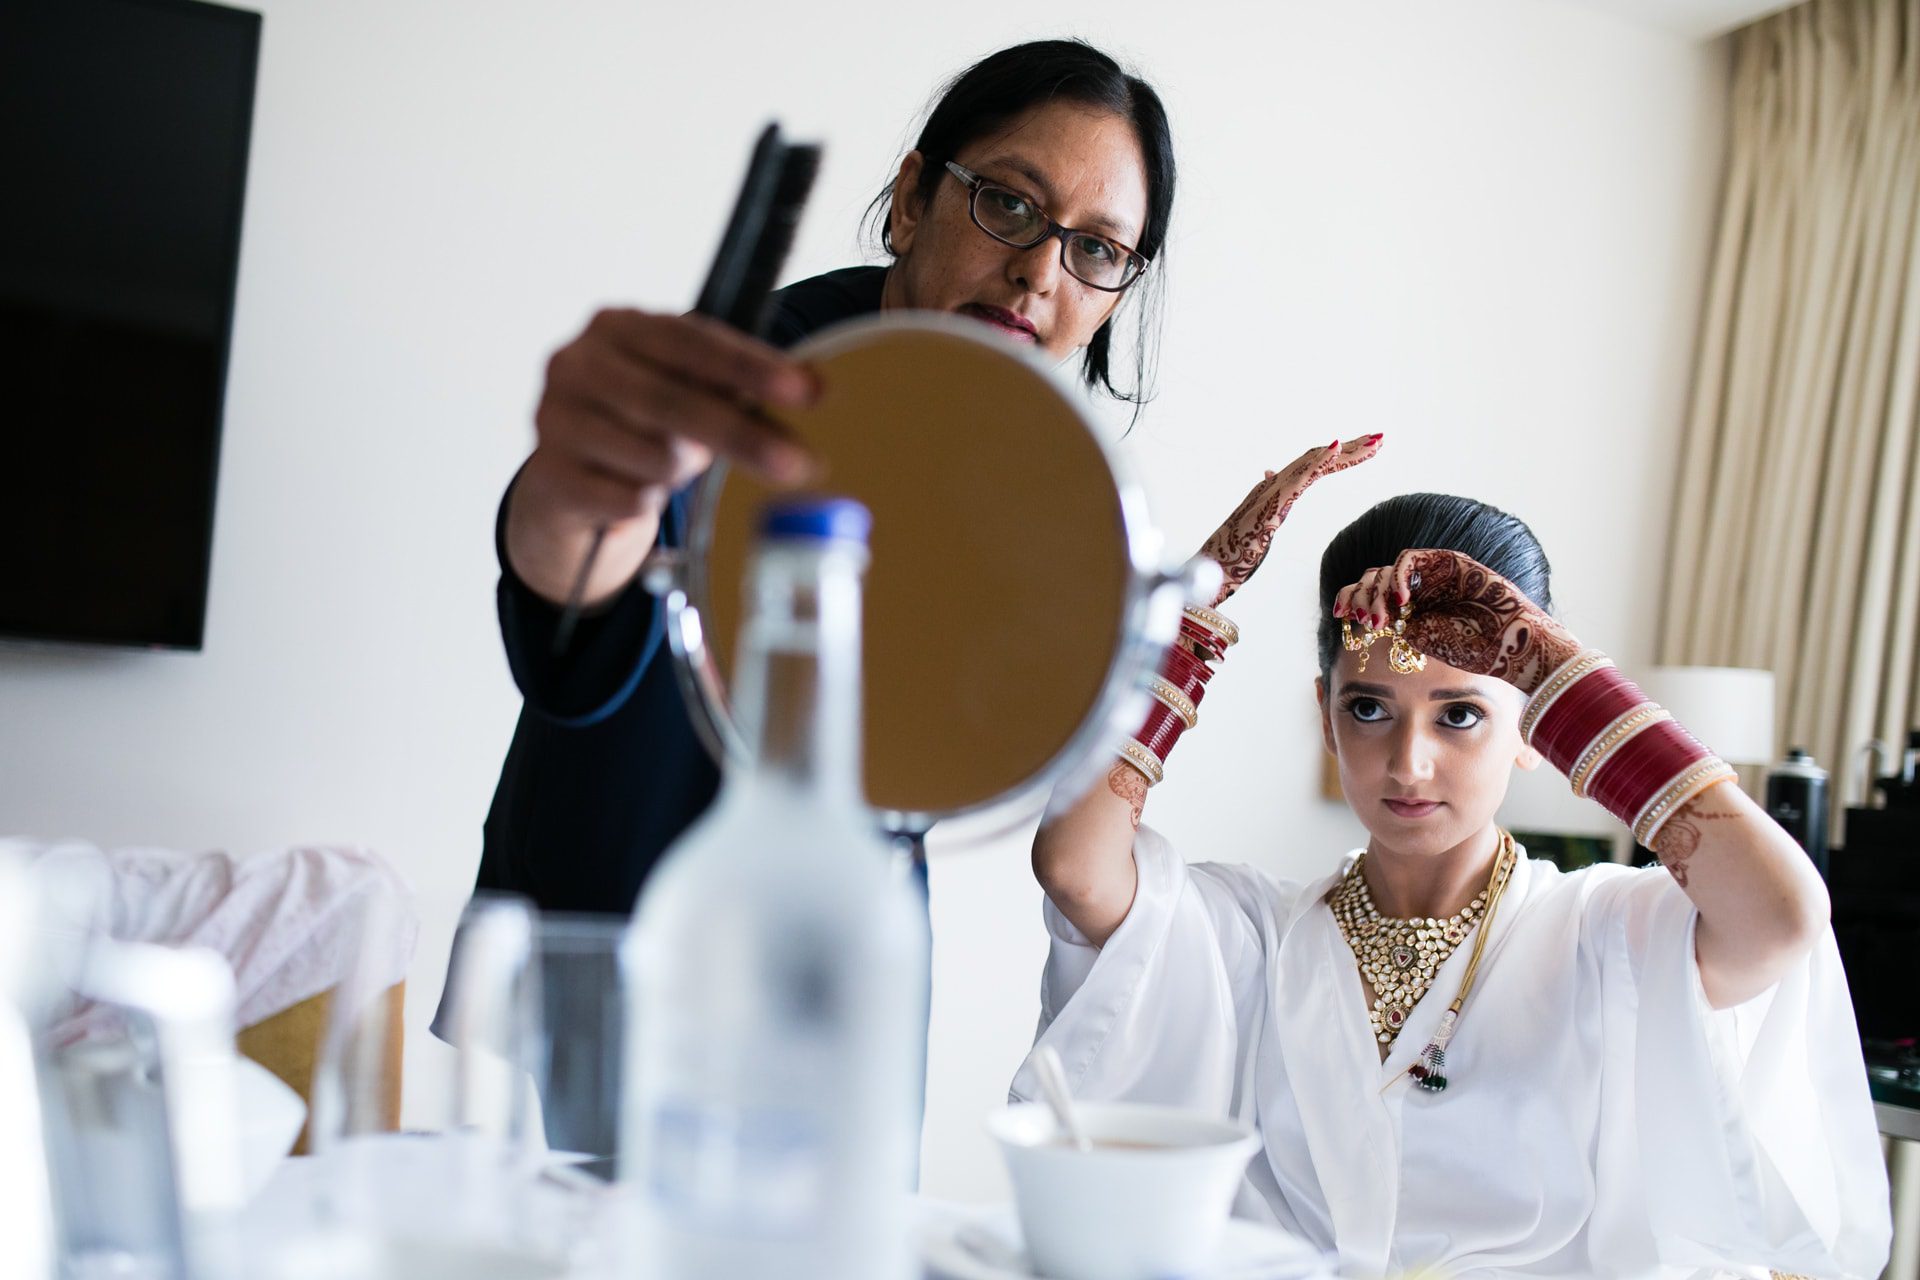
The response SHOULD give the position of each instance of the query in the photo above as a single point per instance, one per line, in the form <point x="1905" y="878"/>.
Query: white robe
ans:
<point x="1601" y="1118"/>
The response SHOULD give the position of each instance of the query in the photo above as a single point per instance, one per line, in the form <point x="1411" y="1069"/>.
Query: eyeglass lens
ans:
<point x="1011" y="217"/>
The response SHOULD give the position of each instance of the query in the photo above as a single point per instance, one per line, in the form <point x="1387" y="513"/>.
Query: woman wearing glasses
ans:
<point x="1034" y="200"/>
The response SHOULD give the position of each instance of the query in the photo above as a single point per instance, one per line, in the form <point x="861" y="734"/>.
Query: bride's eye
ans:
<point x="1366" y="710"/>
<point x="1462" y="715"/>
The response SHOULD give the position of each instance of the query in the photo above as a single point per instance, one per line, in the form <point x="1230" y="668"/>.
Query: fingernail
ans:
<point x="796" y="387"/>
<point x="1335" y="444"/>
<point x="1376" y="437"/>
<point x="790" y="466"/>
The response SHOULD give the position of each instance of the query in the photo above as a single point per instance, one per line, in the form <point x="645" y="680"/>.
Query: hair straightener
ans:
<point x="766" y="217"/>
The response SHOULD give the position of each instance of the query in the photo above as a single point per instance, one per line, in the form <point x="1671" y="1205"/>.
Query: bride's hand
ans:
<point x="1243" y="539"/>
<point x="1463" y="613"/>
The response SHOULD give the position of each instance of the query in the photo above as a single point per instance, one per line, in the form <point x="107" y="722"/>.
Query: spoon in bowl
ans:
<point x="1053" y="1083"/>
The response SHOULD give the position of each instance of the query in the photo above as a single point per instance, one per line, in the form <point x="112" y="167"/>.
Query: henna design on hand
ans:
<point x="1679" y="839"/>
<point x="1242" y="541"/>
<point x="1470" y="617"/>
<point x="1676" y="843"/>
<point x="1125" y="781"/>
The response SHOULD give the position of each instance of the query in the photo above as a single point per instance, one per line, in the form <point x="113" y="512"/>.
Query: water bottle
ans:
<point x="1797" y="800"/>
<point x="776" y="966"/>
<point x="27" y="1246"/>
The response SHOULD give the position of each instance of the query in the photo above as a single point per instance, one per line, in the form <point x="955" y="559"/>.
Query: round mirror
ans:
<point x="1014" y="592"/>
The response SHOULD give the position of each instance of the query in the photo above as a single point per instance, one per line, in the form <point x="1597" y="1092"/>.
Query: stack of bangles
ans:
<point x="1177" y="689"/>
<point x="1617" y="745"/>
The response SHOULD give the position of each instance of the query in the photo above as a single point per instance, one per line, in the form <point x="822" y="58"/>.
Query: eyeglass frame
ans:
<point x="975" y="184"/>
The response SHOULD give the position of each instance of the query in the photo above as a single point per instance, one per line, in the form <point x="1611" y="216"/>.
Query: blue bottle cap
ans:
<point x="827" y="519"/>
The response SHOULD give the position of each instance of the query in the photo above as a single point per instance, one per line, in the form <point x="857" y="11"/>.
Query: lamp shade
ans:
<point x="1730" y="709"/>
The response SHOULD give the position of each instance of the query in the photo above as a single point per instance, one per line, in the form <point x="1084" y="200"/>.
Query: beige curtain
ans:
<point x="1797" y="526"/>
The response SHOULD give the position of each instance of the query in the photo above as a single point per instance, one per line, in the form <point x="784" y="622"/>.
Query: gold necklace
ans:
<point x="1399" y="958"/>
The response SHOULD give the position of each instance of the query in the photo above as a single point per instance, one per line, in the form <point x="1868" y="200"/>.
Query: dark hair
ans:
<point x="1002" y="86"/>
<point x="1501" y="542"/>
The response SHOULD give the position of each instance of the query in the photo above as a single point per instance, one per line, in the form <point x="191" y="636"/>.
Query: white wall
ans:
<point x="1482" y="231"/>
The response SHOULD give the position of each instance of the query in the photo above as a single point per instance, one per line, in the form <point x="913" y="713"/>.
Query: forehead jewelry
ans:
<point x="1401" y="656"/>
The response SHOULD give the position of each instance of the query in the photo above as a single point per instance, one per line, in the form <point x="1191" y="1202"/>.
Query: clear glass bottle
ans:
<point x="777" y="966"/>
<point x="28" y="1245"/>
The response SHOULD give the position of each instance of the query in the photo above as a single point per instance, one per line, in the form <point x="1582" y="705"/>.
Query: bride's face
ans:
<point x="1424" y="758"/>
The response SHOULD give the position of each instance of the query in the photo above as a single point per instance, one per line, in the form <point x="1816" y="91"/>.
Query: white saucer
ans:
<point x="984" y="1244"/>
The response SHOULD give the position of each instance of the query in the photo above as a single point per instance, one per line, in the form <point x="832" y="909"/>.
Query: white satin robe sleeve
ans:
<point x="1756" y="1136"/>
<point x="1169" y="1012"/>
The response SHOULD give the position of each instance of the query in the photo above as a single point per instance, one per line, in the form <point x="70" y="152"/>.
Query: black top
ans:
<point x="606" y="769"/>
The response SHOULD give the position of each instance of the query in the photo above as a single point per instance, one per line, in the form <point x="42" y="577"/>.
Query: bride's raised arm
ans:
<point x="1083" y="857"/>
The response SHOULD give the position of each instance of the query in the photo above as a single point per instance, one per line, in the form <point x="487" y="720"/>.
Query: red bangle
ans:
<point x="1215" y="624"/>
<point x="1648" y="764"/>
<point x="1186" y="673"/>
<point x="1162" y="730"/>
<point x="1145" y="762"/>
<point x="1642" y="768"/>
<point x="1622" y="783"/>
<point x="1582" y="714"/>
<point x="1163" y="725"/>
<point x="1212" y="641"/>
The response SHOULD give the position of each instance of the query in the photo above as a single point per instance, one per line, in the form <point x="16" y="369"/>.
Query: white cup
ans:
<point x="1154" y="1208"/>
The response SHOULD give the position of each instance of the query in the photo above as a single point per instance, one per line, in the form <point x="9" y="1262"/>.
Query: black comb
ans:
<point x="739" y="286"/>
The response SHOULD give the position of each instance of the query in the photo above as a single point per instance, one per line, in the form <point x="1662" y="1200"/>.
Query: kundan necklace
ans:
<point x="1399" y="958"/>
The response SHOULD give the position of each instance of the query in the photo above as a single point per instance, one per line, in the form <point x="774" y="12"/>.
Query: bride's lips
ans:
<point x="1412" y="808"/>
<point x="1011" y="323"/>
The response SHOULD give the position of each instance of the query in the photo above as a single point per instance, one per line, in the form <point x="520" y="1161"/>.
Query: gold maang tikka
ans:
<point x="1401" y="656"/>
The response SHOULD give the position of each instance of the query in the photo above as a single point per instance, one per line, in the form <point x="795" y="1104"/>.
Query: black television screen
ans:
<point x="123" y="154"/>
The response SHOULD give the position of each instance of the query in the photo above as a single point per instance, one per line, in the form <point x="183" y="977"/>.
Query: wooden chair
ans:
<point x="288" y="1043"/>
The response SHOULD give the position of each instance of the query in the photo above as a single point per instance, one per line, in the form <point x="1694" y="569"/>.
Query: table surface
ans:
<point x="1897" y="1121"/>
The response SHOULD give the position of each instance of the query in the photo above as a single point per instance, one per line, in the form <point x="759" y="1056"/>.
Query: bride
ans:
<point x="1458" y="1057"/>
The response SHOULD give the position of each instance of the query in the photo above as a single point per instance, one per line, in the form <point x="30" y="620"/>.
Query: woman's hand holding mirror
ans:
<point x="633" y="409"/>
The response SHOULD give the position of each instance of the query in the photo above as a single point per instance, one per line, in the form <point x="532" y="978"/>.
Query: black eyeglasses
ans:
<point x="1012" y="218"/>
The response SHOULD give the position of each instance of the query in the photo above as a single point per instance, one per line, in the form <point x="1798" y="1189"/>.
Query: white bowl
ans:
<point x="1122" y="1212"/>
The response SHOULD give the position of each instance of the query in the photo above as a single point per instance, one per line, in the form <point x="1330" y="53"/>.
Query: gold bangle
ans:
<point x="1218" y="623"/>
<point x="1654" y="815"/>
<point x="1563" y="677"/>
<point x="1144" y="760"/>
<point x="1179" y="703"/>
<point x="1625" y="727"/>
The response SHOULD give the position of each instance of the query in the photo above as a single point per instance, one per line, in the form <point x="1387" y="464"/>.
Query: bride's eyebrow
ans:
<point x="1385" y="693"/>
<point x="1361" y="687"/>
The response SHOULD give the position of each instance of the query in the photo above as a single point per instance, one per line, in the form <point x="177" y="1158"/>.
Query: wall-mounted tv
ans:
<point x="124" y="127"/>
